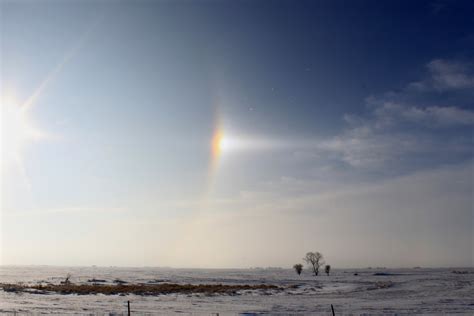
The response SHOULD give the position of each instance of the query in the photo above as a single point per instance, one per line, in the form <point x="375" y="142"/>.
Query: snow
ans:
<point x="393" y="291"/>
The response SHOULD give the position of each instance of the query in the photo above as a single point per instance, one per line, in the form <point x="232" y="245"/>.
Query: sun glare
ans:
<point x="16" y="131"/>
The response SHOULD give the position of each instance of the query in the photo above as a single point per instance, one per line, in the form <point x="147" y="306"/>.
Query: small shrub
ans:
<point x="298" y="268"/>
<point x="327" y="269"/>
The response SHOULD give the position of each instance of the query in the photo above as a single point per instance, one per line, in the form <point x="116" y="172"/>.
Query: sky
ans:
<point x="236" y="134"/>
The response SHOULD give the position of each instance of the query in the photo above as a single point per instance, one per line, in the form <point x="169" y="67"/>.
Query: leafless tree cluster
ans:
<point x="315" y="261"/>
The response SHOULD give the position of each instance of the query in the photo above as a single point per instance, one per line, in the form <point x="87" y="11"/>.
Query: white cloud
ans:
<point x="440" y="116"/>
<point x="396" y="131"/>
<point x="387" y="113"/>
<point x="446" y="75"/>
<point x="365" y="148"/>
<point x="393" y="134"/>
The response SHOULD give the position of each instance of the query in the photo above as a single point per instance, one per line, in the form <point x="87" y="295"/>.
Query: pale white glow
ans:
<point x="16" y="132"/>
<point x="227" y="143"/>
<point x="233" y="143"/>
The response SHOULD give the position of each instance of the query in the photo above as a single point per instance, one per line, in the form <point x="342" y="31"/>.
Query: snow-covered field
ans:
<point x="371" y="291"/>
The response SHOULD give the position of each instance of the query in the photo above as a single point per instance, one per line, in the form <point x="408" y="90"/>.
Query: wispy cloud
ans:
<point x="387" y="113"/>
<point x="437" y="7"/>
<point x="406" y="129"/>
<point x="406" y="212"/>
<point x="63" y="210"/>
<point x="444" y="75"/>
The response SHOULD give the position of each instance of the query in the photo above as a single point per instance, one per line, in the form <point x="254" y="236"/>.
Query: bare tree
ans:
<point x="298" y="268"/>
<point x="315" y="260"/>
<point x="327" y="269"/>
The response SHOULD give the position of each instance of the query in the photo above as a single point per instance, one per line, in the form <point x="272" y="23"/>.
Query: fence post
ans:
<point x="128" y="307"/>
<point x="332" y="309"/>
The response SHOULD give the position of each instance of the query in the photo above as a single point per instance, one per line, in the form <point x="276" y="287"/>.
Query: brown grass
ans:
<point x="138" y="289"/>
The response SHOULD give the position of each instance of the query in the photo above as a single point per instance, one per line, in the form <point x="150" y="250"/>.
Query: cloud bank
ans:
<point x="406" y="129"/>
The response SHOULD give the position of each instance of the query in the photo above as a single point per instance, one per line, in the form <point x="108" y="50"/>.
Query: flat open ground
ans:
<point x="371" y="291"/>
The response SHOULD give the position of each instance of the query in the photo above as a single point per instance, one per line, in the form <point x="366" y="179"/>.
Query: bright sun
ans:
<point x="16" y="132"/>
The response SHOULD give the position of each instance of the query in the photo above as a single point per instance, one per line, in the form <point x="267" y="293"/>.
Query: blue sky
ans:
<point x="350" y="127"/>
